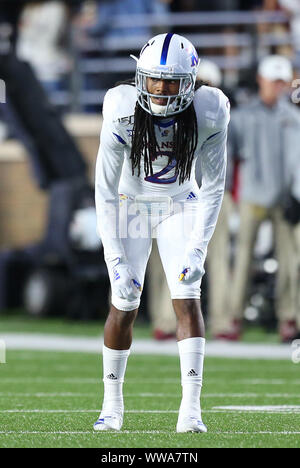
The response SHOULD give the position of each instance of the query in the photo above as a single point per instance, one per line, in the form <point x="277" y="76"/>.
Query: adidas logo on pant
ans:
<point x="192" y="373"/>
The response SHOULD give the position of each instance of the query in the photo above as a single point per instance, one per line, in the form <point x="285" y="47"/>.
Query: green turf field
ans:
<point x="51" y="399"/>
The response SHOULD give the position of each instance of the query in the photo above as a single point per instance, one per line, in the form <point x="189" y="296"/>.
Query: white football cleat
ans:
<point x="190" y="424"/>
<point x="109" y="422"/>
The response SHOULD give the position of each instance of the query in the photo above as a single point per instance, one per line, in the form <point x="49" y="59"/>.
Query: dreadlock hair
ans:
<point x="144" y="143"/>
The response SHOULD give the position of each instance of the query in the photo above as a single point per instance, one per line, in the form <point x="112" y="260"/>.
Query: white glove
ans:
<point x="192" y="269"/>
<point x="125" y="282"/>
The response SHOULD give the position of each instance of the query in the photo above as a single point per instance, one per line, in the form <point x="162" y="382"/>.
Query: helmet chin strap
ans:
<point x="156" y="109"/>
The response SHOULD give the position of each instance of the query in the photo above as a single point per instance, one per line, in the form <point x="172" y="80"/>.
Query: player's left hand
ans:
<point x="192" y="268"/>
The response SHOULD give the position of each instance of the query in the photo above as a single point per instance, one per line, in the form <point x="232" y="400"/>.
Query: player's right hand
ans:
<point x="125" y="282"/>
<point x="192" y="268"/>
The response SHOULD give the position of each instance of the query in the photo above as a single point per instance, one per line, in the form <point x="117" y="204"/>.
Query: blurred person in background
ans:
<point x="107" y="10"/>
<point x="209" y="73"/>
<point x="278" y="31"/>
<point x="204" y="5"/>
<point x="41" y="31"/>
<point x="96" y="20"/>
<point x="292" y="215"/>
<point x="9" y="16"/>
<point x="229" y="49"/>
<point x="265" y="134"/>
<point x="292" y="7"/>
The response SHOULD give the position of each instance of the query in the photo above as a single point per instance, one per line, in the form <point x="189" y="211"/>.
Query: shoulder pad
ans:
<point x="212" y="107"/>
<point x="119" y="103"/>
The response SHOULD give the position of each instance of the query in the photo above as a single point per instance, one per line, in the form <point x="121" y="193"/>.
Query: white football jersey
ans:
<point x="114" y="168"/>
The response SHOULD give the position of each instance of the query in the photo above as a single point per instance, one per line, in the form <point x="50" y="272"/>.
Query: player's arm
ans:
<point x="108" y="171"/>
<point x="213" y="169"/>
<point x="214" y="159"/>
<point x="109" y="165"/>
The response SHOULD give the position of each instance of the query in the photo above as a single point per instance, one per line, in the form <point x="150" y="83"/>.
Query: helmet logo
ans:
<point x="195" y="59"/>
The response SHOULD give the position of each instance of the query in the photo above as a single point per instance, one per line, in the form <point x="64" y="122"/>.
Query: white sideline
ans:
<point x="99" y="433"/>
<point x="272" y="409"/>
<point x="96" y="381"/>
<point x="47" y="342"/>
<point x="148" y="395"/>
<point x="283" y="409"/>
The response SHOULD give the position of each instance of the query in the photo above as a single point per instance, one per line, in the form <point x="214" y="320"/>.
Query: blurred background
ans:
<point x="57" y="59"/>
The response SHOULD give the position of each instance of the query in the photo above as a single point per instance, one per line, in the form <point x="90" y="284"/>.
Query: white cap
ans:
<point x="209" y="72"/>
<point x="276" y="67"/>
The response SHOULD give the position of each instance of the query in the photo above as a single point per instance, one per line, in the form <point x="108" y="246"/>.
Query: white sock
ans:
<point x="114" y="367"/>
<point x="191" y="353"/>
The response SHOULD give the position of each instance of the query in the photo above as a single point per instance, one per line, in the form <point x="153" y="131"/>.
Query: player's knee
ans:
<point x="187" y="309"/>
<point x="188" y="306"/>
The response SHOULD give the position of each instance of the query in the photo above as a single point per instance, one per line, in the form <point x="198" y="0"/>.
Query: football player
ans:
<point x="153" y="131"/>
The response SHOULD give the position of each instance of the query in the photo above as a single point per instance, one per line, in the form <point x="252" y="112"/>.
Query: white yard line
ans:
<point x="83" y="432"/>
<point x="97" y="381"/>
<point x="46" y="342"/>
<point x="45" y="395"/>
<point x="282" y="409"/>
<point x="112" y="433"/>
<point x="92" y="380"/>
<point x="270" y="382"/>
<point x="83" y="411"/>
<point x="270" y="409"/>
<point x="42" y="380"/>
<point x="149" y="395"/>
<point x="260" y="432"/>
